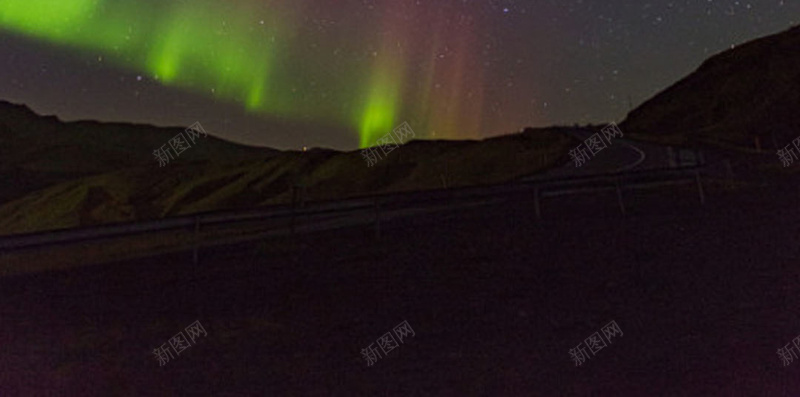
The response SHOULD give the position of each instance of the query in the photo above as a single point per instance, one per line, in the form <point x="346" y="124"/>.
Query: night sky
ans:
<point x="340" y="74"/>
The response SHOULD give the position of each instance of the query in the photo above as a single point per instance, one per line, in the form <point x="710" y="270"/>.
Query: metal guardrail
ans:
<point x="369" y="203"/>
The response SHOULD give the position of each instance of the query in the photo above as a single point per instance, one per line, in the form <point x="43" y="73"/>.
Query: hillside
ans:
<point x="91" y="173"/>
<point x="749" y="92"/>
<point x="37" y="152"/>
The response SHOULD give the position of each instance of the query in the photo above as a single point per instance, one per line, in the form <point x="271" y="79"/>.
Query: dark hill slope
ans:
<point x="37" y="151"/>
<point x="56" y="175"/>
<point x="749" y="92"/>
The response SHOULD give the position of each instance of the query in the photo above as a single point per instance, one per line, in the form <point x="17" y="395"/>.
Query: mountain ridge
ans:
<point x="64" y="175"/>
<point x="743" y="97"/>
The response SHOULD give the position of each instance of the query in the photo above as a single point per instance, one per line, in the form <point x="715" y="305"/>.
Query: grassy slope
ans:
<point x="150" y="192"/>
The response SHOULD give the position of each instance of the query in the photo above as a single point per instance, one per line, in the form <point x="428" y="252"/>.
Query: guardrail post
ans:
<point x="293" y="217"/>
<point x="730" y="172"/>
<point x="700" y="187"/>
<point x="671" y="157"/>
<point x="377" y="220"/>
<point x="292" y="221"/>
<point x="619" y="196"/>
<point x="536" y="202"/>
<point x="196" y="240"/>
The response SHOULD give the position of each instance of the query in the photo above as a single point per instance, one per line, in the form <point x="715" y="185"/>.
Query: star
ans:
<point x="380" y="61"/>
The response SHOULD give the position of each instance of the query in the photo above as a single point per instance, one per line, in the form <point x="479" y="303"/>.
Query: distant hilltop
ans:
<point x="743" y="97"/>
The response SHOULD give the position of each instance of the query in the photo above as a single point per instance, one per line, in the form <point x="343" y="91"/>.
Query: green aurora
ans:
<point x="200" y="46"/>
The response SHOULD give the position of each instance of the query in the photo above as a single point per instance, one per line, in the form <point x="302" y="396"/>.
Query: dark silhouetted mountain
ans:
<point x="37" y="151"/>
<point x="751" y="91"/>
<point x="62" y="175"/>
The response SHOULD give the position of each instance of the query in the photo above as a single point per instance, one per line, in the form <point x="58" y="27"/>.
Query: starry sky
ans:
<point x="341" y="74"/>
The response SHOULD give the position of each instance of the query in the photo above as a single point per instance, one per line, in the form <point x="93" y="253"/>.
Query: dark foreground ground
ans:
<point x="703" y="295"/>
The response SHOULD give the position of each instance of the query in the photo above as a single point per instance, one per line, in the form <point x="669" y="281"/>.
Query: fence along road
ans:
<point x="319" y="216"/>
